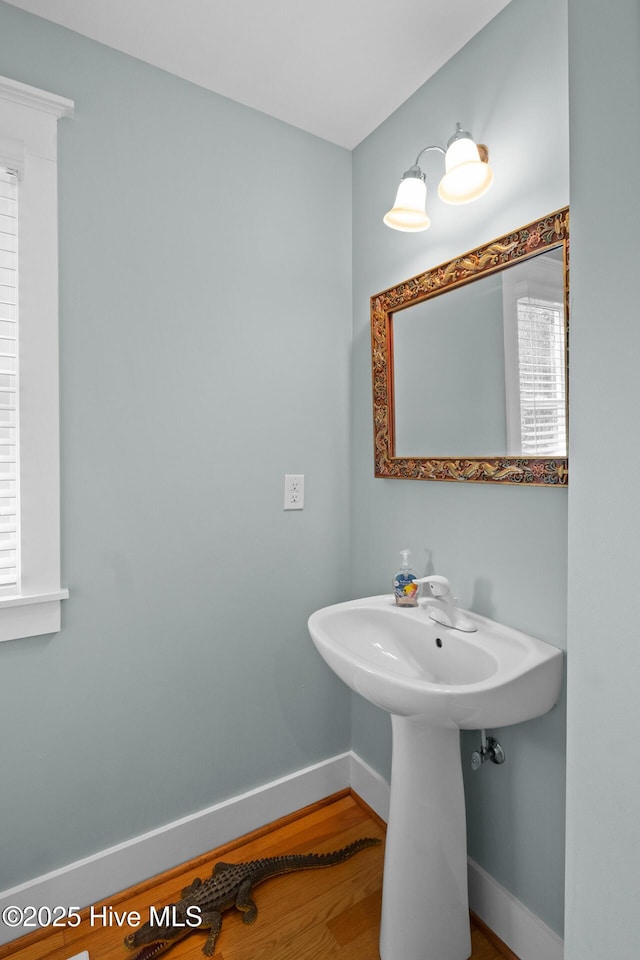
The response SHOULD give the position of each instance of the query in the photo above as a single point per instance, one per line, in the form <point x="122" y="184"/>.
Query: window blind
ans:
<point x="543" y="408"/>
<point x="9" y="569"/>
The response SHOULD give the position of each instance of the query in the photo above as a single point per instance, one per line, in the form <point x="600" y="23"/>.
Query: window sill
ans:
<point x="30" y="616"/>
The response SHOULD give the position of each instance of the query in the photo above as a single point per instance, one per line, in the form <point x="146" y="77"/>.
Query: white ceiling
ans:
<point x="336" y="68"/>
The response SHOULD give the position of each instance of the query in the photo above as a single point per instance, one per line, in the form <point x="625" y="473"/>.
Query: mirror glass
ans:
<point x="482" y="370"/>
<point x="470" y="364"/>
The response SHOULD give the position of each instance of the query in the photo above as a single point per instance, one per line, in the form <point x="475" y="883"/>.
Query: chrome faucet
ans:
<point x="442" y="605"/>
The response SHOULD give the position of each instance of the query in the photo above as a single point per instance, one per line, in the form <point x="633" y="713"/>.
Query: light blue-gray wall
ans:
<point x="603" y="709"/>
<point x="504" y="548"/>
<point x="205" y="323"/>
<point x="449" y="364"/>
<point x="200" y="361"/>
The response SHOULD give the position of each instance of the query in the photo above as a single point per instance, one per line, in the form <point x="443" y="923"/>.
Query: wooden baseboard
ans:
<point x="194" y="864"/>
<point x="119" y="871"/>
<point x="336" y="911"/>
<point x="94" y="878"/>
<point x="218" y="853"/>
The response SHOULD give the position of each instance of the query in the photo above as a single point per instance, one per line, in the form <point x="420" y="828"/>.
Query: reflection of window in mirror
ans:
<point x="535" y="368"/>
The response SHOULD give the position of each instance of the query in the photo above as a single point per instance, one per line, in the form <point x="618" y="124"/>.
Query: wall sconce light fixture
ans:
<point x="467" y="177"/>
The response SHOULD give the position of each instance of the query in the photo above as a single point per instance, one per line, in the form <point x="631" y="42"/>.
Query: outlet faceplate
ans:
<point x="294" y="491"/>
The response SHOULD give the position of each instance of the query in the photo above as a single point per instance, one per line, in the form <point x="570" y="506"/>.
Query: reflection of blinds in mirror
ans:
<point x="543" y="421"/>
<point x="8" y="378"/>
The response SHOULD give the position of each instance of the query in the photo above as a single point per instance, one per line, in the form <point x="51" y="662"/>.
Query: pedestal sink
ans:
<point x="434" y="681"/>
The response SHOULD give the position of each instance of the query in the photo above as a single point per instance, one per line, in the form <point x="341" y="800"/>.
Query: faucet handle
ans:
<point x="439" y="587"/>
<point x="446" y="611"/>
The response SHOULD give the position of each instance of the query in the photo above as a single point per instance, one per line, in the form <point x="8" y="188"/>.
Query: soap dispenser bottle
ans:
<point x="405" y="586"/>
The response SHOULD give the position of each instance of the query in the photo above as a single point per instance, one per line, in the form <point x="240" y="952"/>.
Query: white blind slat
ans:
<point x="542" y="377"/>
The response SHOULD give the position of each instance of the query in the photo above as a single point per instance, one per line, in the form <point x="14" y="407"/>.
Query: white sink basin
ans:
<point x="403" y="662"/>
<point x="434" y="681"/>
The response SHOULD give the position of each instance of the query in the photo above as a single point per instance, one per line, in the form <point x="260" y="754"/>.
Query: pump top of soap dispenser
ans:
<point x="405" y="586"/>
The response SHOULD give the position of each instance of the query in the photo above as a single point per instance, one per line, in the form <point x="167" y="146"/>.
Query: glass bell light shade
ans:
<point x="467" y="177"/>
<point x="408" y="212"/>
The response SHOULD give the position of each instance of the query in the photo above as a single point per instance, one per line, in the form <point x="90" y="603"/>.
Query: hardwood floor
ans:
<point x="327" y="914"/>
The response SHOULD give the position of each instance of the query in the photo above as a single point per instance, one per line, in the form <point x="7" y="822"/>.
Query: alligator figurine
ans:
<point x="203" y="902"/>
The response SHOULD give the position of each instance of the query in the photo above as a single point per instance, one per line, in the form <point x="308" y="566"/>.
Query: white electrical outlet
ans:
<point x="294" y="491"/>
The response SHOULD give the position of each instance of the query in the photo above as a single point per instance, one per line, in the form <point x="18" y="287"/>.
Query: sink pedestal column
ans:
<point x="425" y="906"/>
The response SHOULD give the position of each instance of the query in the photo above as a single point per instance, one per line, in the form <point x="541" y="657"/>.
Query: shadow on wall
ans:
<point x="481" y="601"/>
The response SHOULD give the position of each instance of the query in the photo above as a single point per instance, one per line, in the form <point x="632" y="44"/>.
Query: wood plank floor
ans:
<point x="328" y="914"/>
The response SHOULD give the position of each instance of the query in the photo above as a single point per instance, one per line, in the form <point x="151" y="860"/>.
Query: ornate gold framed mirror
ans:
<point x="473" y="386"/>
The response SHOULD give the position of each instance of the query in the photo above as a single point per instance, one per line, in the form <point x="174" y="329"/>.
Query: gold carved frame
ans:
<point x="551" y="231"/>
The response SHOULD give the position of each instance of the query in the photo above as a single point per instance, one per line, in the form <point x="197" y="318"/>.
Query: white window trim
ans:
<point x="28" y="144"/>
